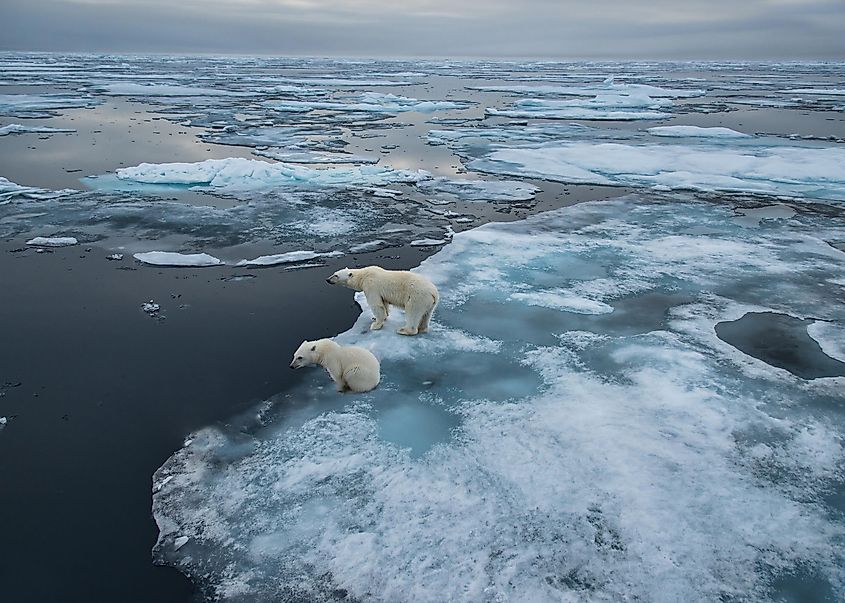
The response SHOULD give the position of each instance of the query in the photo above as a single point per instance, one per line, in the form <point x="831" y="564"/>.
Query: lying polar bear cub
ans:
<point x="350" y="367"/>
<point x="413" y="292"/>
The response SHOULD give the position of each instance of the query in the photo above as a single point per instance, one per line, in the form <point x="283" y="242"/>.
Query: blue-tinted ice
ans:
<point x="571" y="427"/>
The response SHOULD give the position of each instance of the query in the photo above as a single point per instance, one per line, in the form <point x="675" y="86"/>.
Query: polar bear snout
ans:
<point x="332" y="279"/>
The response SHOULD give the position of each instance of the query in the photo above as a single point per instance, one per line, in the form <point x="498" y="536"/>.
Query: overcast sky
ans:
<point x="717" y="29"/>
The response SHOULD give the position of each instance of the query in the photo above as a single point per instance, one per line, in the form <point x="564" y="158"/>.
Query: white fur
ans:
<point x="351" y="368"/>
<point x="407" y="290"/>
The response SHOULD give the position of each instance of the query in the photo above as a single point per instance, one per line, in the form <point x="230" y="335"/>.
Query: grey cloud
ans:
<point x="720" y="29"/>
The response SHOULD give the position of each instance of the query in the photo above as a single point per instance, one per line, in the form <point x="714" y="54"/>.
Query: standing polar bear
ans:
<point x="350" y="367"/>
<point x="383" y="288"/>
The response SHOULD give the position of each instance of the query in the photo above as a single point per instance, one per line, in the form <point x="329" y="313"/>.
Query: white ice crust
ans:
<point x="53" y="241"/>
<point x="695" y="132"/>
<point x="169" y="258"/>
<point x="815" y="172"/>
<point x="22" y="129"/>
<point x="235" y="172"/>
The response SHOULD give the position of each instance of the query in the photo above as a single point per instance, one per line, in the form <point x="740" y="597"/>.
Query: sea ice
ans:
<point x="168" y="258"/>
<point x="534" y="453"/>
<point x="291" y="257"/>
<point x="21" y="129"/>
<point x="53" y="241"/>
<point x="783" y="170"/>
<point x="130" y="89"/>
<point x="819" y="91"/>
<point x="695" y="132"/>
<point x="294" y="156"/>
<point x="44" y="105"/>
<point x="608" y="87"/>
<point x="374" y="102"/>
<point x="478" y="190"/>
<point x="603" y="107"/>
<point x="238" y="173"/>
<point x="428" y="242"/>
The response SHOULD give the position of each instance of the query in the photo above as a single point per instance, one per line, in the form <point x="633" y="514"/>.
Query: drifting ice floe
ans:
<point x="478" y="190"/>
<point x="608" y="87"/>
<point x="293" y="156"/>
<point x="21" y="129"/>
<point x="695" y="132"/>
<point x="53" y="241"/>
<point x="536" y="453"/>
<point x="291" y="257"/>
<point x="32" y="105"/>
<point x="127" y="89"/>
<point x="374" y="102"/>
<point x="606" y="107"/>
<point x="800" y="171"/>
<point x="239" y="173"/>
<point x="168" y="258"/>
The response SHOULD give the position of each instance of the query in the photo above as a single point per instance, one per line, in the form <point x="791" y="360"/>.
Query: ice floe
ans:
<point x="533" y="452"/>
<point x="53" y="241"/>
<point x="236" y="172"/>
<point x="169" y="258"/>
<point x="478" y="190"/>
<point x="291" y="257"/>
<point x="131" y="89"/>
<point x="374" y="102"/>
<point x="43" y="105"/>
<point x="606" y="107"/>
<point x="608" y="87"/>
<point x="695" y="132"/>
<point x="21" y="129"/>
<point x="784" y="170"/>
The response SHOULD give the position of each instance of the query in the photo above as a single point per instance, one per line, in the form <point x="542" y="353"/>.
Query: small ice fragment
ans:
<point x="21" y="129"/>
<point x="286" y="258"/>
<point x="150" y="307"/>
<point x="159" y="485"/>
<point x="369" y="246"/>
<point x="695" y="132"/>
<point x="115" y="257"/>
<point x="428" y="242"/>
<point x="52" y="241"/>
<point x="167" y="258"/>
<point x="180" y="542"/>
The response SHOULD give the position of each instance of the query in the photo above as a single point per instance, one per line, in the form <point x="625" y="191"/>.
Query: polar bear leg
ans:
<point x="379" y="309"/>
<point x="424" y="320"/>
<point x="413" y="318"/>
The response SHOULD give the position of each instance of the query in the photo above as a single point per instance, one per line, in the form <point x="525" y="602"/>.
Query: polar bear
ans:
<point x="413" y="292"/>
<point x="350" y="367"/>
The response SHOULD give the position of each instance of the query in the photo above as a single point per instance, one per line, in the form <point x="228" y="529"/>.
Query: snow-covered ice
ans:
<point x="608" y="87"/>
<point x="603" y="107"/>
<point x="132" y="89"/>
<point x="236" y="172"/>
<point x="781" y="170"/>
<point x="374" y="102"/>
<point x="22" y="129"/>
<point x="43" y="105"/>
<point x="53" y="241"/>
<point x="533" y="452"/>
<point x="169" y="258"/>
<point x="290" y="257"/>
<point x="695" y="132"/>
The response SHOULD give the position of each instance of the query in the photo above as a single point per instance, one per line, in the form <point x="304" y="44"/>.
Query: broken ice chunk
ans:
<point x="167" y="258"/>
<point x="53" y="241"/>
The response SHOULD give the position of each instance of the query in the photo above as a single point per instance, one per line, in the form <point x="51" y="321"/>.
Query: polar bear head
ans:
<point x="305" y="355"/>
<point x="342" y="277"/>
